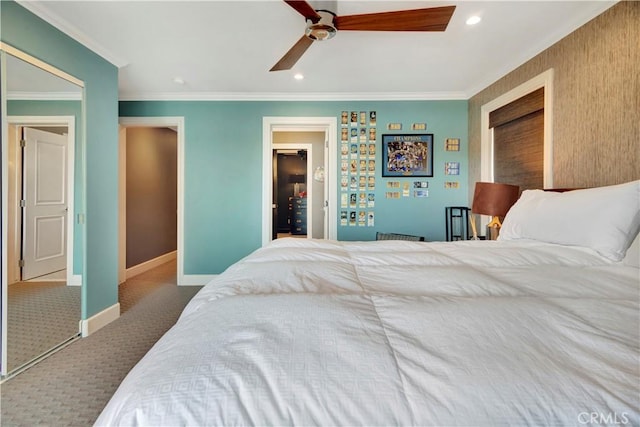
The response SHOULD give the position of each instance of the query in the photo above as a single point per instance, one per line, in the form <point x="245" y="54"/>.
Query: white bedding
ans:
<point x="317" y="332"/>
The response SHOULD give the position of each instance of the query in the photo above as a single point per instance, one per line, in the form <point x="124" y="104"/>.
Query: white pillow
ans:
<point x="605" y="219"/>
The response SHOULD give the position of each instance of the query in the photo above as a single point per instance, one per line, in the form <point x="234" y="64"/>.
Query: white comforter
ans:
<point x="316" y="332"/>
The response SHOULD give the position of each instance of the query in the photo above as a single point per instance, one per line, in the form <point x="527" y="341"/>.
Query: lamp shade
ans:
<point x="296" y="179"/>
<point x="490" y="198"/>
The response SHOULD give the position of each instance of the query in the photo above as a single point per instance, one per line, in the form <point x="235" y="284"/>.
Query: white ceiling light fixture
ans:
<point x="178" y="80"/>
<point x="473" y="20"/>
<point x="298" y="76"/>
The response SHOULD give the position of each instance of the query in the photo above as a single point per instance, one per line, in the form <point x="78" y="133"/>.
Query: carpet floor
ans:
<point x="41" y="315"/>
<point x="72" y="386"/>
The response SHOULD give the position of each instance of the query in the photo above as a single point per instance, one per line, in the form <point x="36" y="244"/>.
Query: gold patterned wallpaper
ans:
<point x="596" y="119"/>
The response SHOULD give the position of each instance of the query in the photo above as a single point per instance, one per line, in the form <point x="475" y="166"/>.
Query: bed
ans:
<point x="519" y="331"/>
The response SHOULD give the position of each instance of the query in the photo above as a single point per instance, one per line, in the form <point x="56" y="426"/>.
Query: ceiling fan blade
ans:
<point x="293" y="55"/>
<point x="430" y="19"/>
<point x="304" y="9"/>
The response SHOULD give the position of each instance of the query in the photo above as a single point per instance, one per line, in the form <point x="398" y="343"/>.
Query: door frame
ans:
<point x="543" y="80"/>
<point x="309" y="176"/>
<point x="328" y="125"/>
<point x="150" y="122"/>
<point x="54" y="121"/>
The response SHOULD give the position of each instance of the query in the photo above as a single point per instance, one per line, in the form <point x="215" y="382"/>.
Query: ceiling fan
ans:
<point x="322" y="24"/>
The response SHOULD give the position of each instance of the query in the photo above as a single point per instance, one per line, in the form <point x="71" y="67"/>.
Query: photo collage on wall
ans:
<point x="357" y="168"/>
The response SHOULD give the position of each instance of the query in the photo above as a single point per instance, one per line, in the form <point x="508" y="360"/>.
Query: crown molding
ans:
<point x="41" y="11"/>
<point x="283" y="96"/>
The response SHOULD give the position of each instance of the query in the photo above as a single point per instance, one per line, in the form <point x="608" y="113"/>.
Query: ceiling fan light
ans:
<point x="320" y="32"/>
<point x="322" y="29"/>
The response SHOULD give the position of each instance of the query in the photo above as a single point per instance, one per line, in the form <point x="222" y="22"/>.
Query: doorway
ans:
<point x="321" y="172"/>
<point x="293" y="194"/>
<point x="169" y="226"/>
<point x="40" y="235"/>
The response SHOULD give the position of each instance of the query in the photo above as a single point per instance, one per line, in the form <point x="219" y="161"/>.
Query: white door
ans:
<point x="45" y="200"/>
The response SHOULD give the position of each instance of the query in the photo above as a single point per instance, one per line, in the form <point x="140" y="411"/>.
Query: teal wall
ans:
<point x="25" y="31"/>
<point x="223" y="171"/>
<point x="61" y="108"/>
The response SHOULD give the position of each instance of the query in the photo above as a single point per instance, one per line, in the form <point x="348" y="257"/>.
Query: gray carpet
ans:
<point x="72" y="386"/>
<point x="41" y="315"/>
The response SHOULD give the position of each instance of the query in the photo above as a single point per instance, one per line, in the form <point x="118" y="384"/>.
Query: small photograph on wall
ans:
<point x="354" y="134"/>
<point x="372" y="134"/>
<point x="370" y="219"/>
<point x="362" y="200"/>
<point x="452" y="144"/>
<point x="363" y="118"/>
<point x="405" y="189"/>
<point x="344" y="200"/>
<point x="419" y="126"/>
<point x="371" y="200"/>
<point x="407" y="155"/>
<point x="421" y="193"/>
<point x="344" y="118"/>
<point x="353" y="182"/>
<point x="371" y="182"/>
<point x="344" y="135"/>
<point x="352" y="218"/>
<point x="420" y="184"/>
<point x="372" y="118"/>
<point x="344" y="183"/>
<point x="343" y="218"/>
<point x="354" y="118"/>
<point x="344" y="150"/>
<point x="353" y="197"/>
<point x="452" y="168"/>
<point x="451" y="184"/>
<point x="362" y="217"/>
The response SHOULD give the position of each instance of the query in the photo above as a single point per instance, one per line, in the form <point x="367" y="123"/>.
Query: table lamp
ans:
<point x="494" y="199"/>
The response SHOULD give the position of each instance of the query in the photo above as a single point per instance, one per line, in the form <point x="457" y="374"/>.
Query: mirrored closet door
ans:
<point x="42" y="121"/>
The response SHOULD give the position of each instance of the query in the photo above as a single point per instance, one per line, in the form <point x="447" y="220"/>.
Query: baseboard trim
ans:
<point x="195" y="279"/>
<point x="76" y="280"/>
<point x="99" y="320"/>
<point x="148" y="265"/>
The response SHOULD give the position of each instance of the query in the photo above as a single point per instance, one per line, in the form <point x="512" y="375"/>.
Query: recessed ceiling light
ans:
<point x="473" y="20"/>
<point x="178" y="80"/>
<point x="298" y="76"/>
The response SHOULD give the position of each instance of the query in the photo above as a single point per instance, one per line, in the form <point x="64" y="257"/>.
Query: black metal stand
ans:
<point x="457" y="223"/>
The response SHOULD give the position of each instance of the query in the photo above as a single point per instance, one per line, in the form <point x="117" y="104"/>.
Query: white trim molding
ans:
<point x="74" y="280"/>
<point x="152" y="263"/>
<point x="99" y="320"/>
<point x="178" y="124"/>
<point x="543" y="80"/>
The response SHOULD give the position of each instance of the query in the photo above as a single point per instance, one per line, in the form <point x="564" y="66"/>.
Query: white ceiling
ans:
<point x="224" y="49"/>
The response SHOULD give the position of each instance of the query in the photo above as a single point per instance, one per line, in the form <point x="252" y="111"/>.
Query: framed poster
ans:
<point x="407" y="155"/>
